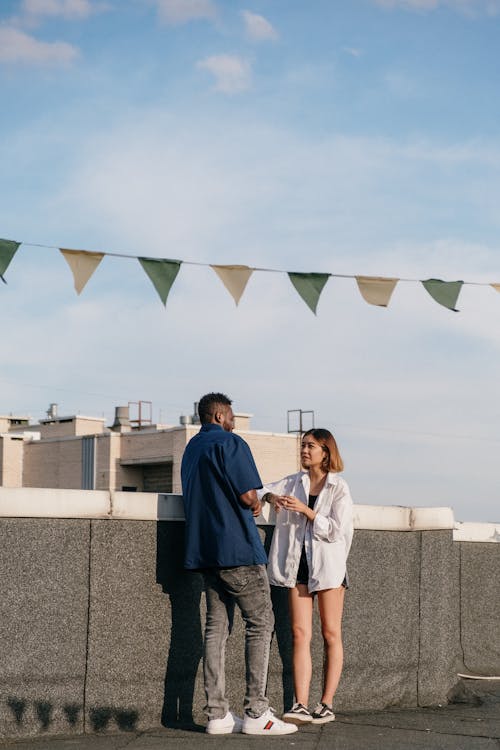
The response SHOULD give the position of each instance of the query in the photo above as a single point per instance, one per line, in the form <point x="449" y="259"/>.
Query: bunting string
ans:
<point x="162" y="272"/>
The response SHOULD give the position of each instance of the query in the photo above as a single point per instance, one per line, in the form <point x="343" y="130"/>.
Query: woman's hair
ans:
<point x="332" y="460"/>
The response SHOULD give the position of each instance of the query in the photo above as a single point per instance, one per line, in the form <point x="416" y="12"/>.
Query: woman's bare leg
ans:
<point x="300" y="603"/>
<point x="331" y="605"/>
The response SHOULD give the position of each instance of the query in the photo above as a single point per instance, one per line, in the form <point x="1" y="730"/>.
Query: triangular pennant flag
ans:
<point x="309" y="286"/>
<point x="376" y="290"/>
<point x="162" y="273"/>
<point x="8" y="249"/>
<point x="496" y="286"/>
<point x="444" y="292"/>
<point x="234" y="278"/>
<point x="82" y="264"/>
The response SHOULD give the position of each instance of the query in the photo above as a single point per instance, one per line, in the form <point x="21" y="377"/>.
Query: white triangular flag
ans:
<point x="376" y="290"/>
<point x="83" y="264"/>
<point x="234" y="278"/>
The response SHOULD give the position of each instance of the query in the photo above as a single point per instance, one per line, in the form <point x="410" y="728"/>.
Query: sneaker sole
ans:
<point x="298" y="720"/>
<point x="323" y="720"/>
<point x="223" y="731"/>
<point x="270" y="733"/>
<point x="235" y="729"/>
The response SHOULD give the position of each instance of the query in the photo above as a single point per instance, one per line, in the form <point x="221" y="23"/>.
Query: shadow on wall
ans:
<point x="99" y="717"/>
<point x="282" y="629"/>
<point x="283" y="635"/>
<point x="186" y="641"/>
<point x="186" y="637"/>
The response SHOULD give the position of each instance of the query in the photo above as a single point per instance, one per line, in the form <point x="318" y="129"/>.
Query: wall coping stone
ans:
<point x="476" y="532"/>
<point x="32" y="502"/>
<point x="43" y="502"/>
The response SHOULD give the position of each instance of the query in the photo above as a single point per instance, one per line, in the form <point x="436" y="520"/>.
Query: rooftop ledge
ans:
<point x="23" y="502"/>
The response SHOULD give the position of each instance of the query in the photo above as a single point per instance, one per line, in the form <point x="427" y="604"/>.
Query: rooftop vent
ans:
<point x="122" y="421"/>
<point x="52" y="411"/>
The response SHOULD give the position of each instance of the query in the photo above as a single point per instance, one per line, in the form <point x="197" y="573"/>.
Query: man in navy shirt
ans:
<point x="219" y="483"/>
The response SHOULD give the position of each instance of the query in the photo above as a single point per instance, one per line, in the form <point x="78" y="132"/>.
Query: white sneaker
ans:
<point x="230" y="724"/>
<point x="267" y="724"/>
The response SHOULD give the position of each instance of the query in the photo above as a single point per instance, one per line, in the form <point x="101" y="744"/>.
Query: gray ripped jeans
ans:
<point x="246" y="586"/>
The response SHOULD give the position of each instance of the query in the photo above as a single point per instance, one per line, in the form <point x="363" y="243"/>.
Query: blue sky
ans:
<point x="354" y="137"/>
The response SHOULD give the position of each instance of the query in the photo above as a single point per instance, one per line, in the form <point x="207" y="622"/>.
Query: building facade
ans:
<point x="79" y="452"/>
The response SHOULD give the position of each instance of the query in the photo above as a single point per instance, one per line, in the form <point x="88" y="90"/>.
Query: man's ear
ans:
<point x="219" y="416"/>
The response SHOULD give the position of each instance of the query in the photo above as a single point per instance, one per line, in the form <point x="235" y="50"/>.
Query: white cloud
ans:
<point x="467" y="7"/>
<point x="18" y="47"/>
<point x="182" y="11"/>
<point x="168" y="186"/>
<point x="71" y="9"/>
<point x="353" y="51"/>
<point x="232" y="74"/>
<point x="417" y="4"/>
<point x="258" y="28"/>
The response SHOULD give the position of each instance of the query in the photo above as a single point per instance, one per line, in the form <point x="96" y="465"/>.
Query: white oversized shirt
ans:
<point x="327" y="539"/>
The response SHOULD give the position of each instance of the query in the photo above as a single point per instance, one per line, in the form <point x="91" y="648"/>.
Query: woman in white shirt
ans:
<point x="308" y="554"/>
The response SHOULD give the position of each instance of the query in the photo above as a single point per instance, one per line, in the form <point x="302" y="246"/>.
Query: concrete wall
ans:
<point x="101" y="628"/>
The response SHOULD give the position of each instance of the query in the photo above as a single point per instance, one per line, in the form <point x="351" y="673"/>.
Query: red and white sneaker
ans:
<point x="268" y="724"/>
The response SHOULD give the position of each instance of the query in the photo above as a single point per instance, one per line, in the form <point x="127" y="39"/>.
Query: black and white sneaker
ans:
<point x="322" y="713"/>
<point x="298" y="714"/>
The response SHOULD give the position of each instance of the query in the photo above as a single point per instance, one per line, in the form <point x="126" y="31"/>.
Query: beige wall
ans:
<point x="276" y="455"/>
<point x="181" y="439"/>
<point x="53" y="463"/>
<point x="107" y="460"/>
<point x="144" y="445"/>
<point x="11" y="461"/>
<point x="73" y="426"/>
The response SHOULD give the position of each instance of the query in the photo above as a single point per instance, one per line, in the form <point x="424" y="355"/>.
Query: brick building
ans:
<point x="79" y="452"/>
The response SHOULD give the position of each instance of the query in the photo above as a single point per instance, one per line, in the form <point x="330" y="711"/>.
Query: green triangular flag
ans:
<point x="8" y="249"/>
<point x="162" y="273"/>
<point x="309" y="286"/>
<point x="444" y="292"/>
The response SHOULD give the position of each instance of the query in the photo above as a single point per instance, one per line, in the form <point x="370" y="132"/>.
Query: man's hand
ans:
<point x="257" y="509"/>
<point x="251" y="501"/>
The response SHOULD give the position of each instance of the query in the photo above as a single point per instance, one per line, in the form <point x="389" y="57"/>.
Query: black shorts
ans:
<point x="303" y="572"/>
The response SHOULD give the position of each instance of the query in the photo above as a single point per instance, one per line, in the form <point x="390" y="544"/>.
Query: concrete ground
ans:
<point x="471" y="722"/>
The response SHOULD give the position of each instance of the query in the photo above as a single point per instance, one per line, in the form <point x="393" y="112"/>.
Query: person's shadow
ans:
<point x="282" y="630"/>
<point x="186" y="641"/>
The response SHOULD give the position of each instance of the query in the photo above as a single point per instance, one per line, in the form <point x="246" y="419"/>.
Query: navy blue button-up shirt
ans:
<point x="218" y="467"/>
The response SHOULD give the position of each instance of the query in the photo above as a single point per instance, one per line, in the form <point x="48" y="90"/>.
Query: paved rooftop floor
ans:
<point x="470" y="723"/>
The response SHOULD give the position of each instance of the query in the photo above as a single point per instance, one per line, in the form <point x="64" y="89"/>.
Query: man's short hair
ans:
<point x="207" y="405"/>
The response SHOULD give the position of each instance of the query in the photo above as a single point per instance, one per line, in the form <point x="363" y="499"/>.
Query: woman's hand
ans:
<point x="289" y="502"/>
<point x="297" y="506"/>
